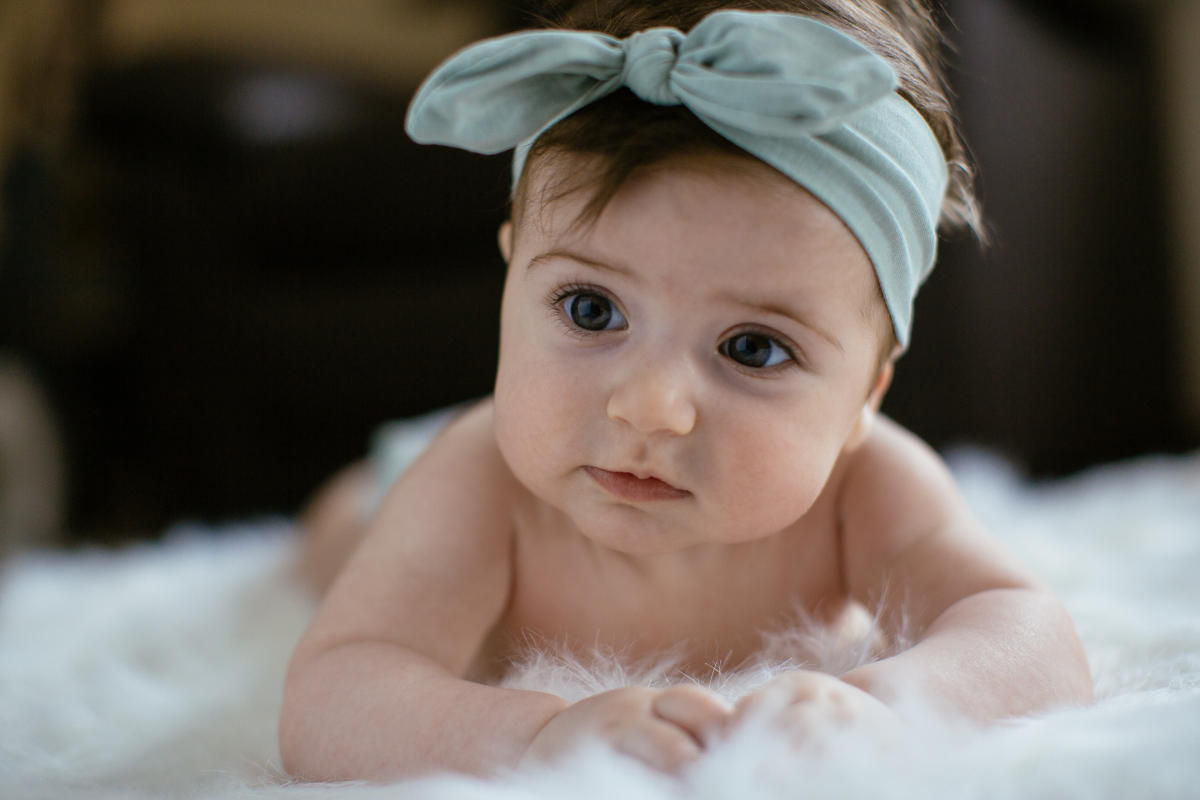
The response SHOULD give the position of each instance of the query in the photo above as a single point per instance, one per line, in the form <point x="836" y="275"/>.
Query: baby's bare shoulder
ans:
<point x="903" y="521"/>
<point x="433" y="571"/>
<point x="894" y="489"/>
<point x="460" y="489"/>
<point x="466" y="446"/>
<point x="893" y="459"/>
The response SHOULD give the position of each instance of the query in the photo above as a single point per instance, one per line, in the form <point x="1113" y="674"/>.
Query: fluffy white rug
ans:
<point x="156" y="671"/>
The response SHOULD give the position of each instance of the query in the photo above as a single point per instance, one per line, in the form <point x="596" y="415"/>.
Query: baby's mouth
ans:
<point x="628" y="486"/>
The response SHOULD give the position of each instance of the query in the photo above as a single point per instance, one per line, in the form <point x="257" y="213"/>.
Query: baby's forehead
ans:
<point x="581" y="187"/>
<point x="729" y="213"/>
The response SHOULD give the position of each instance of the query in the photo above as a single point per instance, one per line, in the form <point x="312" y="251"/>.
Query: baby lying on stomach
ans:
<point x="708" y="286"/>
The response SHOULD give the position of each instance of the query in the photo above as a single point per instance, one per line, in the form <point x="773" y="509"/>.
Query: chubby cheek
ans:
<point x="533" y="424"/>
<point x="769" y="476"/>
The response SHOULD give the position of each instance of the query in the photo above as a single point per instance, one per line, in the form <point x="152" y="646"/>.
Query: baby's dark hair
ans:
<point x="626" y="134"/>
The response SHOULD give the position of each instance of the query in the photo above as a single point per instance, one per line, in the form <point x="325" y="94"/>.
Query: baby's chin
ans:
<point x="640" y="532"/>
<point x="626" y="529"/>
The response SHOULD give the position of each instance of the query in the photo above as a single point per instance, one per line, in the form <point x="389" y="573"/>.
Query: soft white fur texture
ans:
<point x="156" y="671"/>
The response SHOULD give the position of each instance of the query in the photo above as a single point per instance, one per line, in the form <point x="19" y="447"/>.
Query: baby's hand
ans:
<point x="666" y="728"/>
<point x="810" y="705"/>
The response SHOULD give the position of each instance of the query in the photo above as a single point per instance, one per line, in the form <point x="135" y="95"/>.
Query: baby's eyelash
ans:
<point x="561" y="293"/>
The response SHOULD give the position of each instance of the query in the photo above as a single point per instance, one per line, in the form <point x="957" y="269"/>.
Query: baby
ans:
<point x="720" y="218"/>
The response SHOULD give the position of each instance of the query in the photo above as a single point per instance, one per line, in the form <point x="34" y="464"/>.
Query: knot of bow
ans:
<point x="650" y="57"/>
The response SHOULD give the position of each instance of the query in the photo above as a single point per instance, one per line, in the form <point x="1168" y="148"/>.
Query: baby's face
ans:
<point x="689" y="369"/>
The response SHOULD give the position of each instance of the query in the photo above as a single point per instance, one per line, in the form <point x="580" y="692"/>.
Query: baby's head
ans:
<point x="707" y="293"/>
<point x="845" y="97"/>
<point x="626" y="133"/>
<point x="621" y="134"/>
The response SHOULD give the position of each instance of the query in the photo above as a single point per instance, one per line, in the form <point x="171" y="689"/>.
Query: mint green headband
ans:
<point x="800" y="96"/>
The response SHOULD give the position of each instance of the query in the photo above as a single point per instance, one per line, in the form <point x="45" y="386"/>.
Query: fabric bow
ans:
<point x="765" y="73"/>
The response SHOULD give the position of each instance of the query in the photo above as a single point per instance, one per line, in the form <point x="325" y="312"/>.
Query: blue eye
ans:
<point x="754" y="350"/>
<point x="592" y="312"/>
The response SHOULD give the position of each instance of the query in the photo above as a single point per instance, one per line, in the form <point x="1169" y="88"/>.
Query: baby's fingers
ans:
<point x="786" y="691"/>
<point x="659" y="744"/>
<point x="699" y="712"/>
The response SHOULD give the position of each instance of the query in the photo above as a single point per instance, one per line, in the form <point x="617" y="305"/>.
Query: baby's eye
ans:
<point x="755" y="350"/>
<point x="592" y="312"/>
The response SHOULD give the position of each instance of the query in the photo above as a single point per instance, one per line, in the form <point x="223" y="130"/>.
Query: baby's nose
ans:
<point x="655" y="399"/>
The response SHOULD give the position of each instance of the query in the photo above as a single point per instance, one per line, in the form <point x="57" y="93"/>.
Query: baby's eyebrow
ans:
<point x="771" y="307"/>
<point x="551" y="255"/>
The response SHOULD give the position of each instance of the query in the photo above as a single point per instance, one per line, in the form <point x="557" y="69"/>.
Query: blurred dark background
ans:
<point x="222" y="263"/>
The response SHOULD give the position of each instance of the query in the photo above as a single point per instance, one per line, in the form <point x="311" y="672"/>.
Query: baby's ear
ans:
<point x="504" y="236"/>
<point x="866" y="416"/>
<point x="883" y="381"/>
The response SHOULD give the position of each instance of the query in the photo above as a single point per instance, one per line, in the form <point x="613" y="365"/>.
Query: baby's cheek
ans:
<point x="530" y="422"/>
<point x="774" y="478"/>
<point x="519" y="426"/>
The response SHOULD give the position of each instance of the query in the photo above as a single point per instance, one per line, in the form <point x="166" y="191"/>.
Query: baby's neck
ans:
<point x="711" y="600"/>
<point x="676" y="572"/>
<point x="670" y="573"/>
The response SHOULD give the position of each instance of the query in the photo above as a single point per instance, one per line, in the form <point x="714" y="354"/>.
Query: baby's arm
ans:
<point x="991" y="642"/>
<point x="374" y="689"/>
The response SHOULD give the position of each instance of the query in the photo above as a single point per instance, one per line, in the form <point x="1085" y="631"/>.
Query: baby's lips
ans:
<point x="629" y="486"/>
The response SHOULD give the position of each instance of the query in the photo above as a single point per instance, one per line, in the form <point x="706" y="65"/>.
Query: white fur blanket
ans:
<point x="156" y="671"/>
